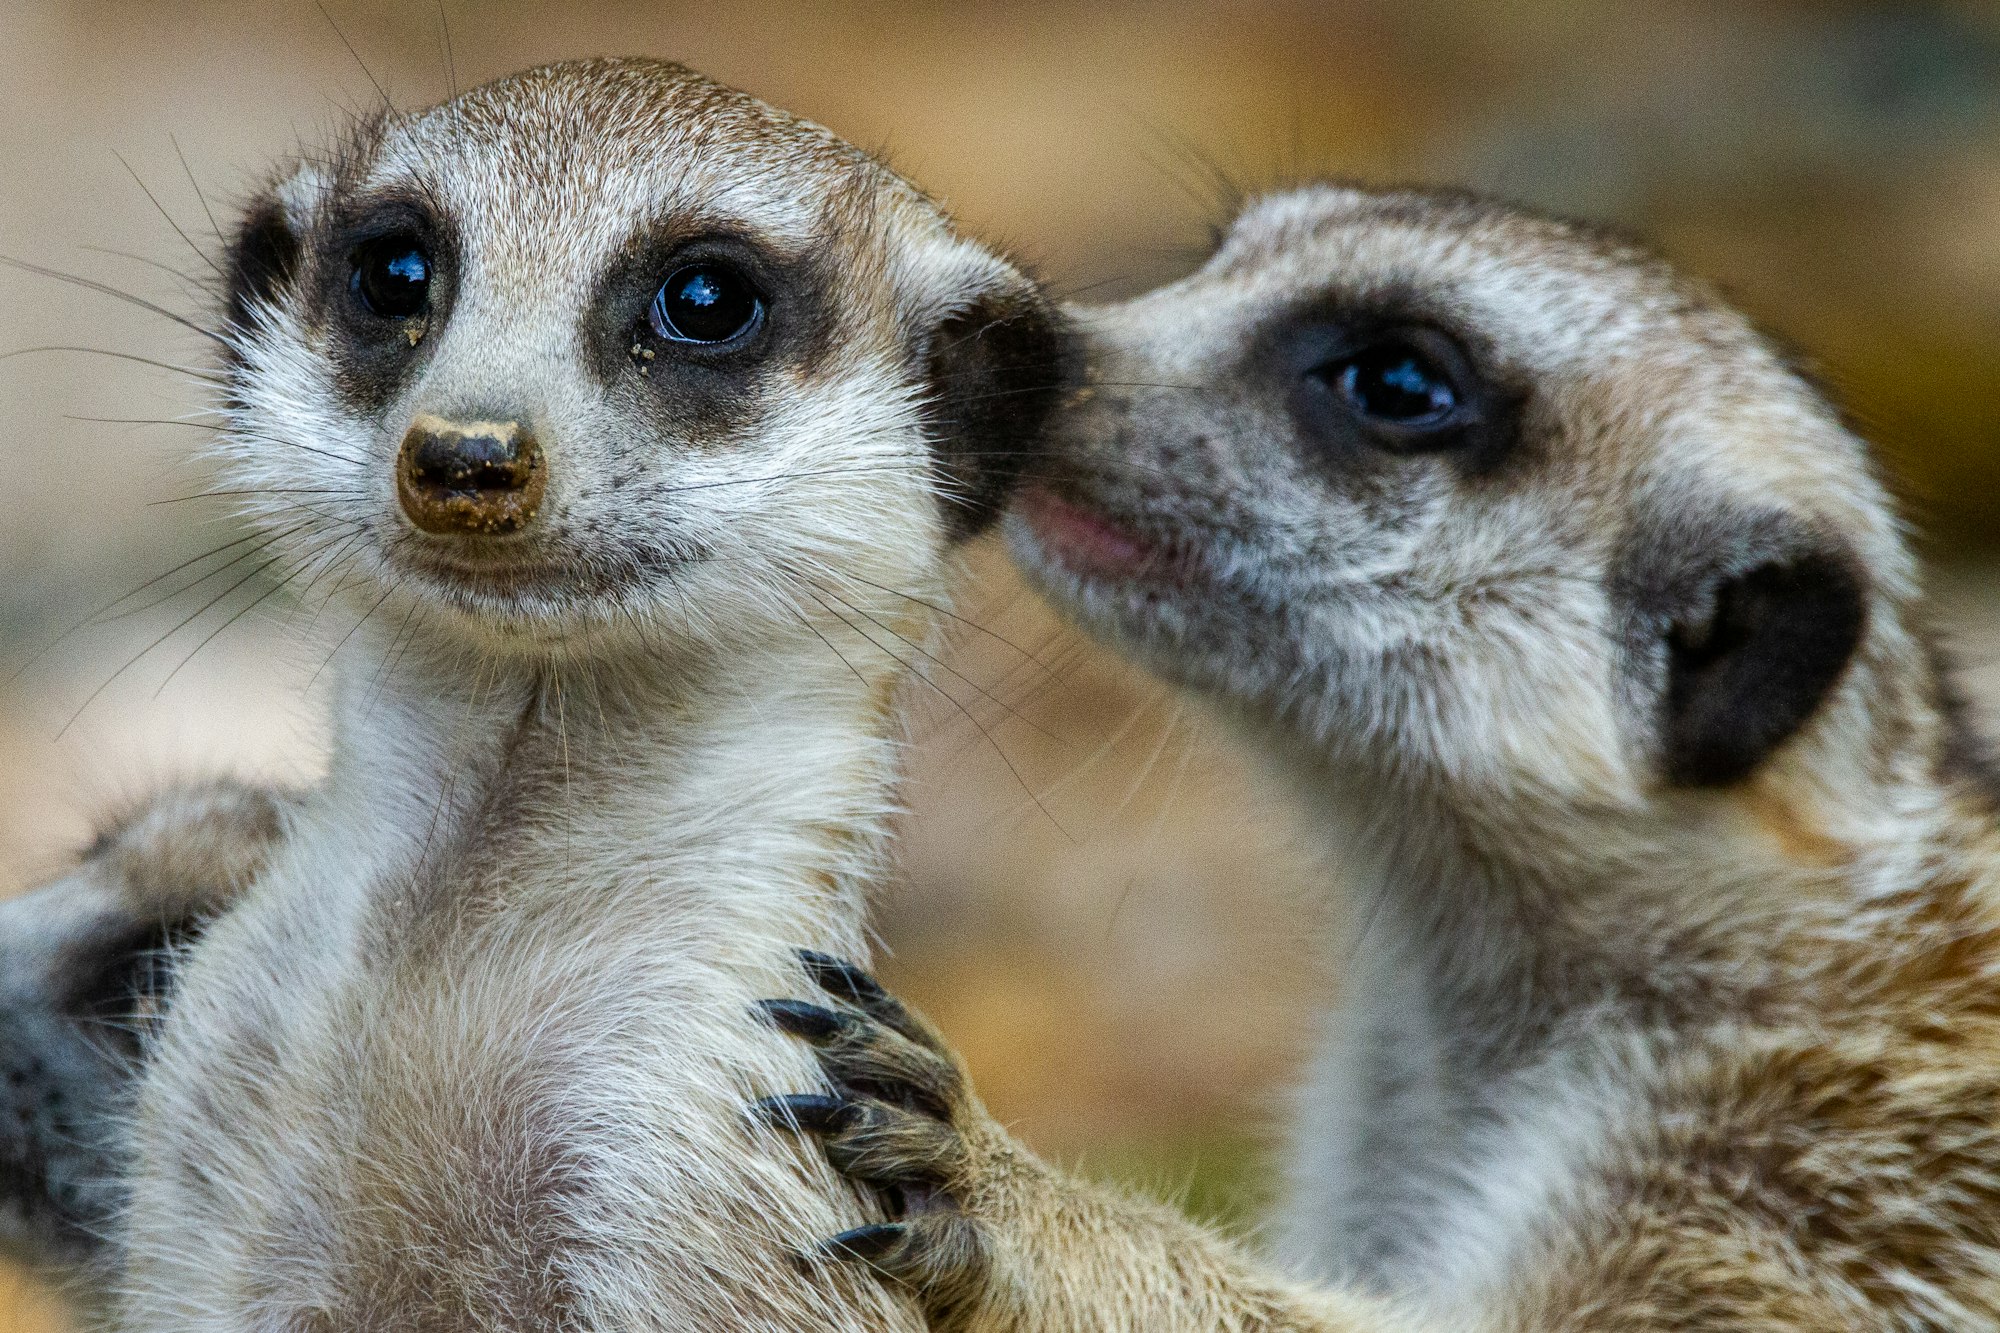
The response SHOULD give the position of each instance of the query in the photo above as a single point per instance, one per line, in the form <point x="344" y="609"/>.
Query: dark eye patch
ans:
<point x="1369" y="381"/>
<point x="388" y="269"/>
<point x="693" y="320"/>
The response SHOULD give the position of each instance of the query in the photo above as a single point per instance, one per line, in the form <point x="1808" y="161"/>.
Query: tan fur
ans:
<point x="83" y="962"/>
<point x="189" y="851"/>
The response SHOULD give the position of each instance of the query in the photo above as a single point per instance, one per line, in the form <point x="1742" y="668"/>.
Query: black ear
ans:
<point x="263" y="256"/>
<point x="994" y="374"/>
<point x="1757" y="621"/>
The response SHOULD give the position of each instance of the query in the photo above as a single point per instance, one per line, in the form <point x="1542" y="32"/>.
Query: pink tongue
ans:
<point x="1081" y="537"/>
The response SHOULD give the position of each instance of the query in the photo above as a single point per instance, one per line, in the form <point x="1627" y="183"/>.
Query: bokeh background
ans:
<point x="1093" y="897"/>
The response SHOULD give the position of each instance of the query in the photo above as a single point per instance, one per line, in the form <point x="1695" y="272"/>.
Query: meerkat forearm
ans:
<point x="990" y="1238"/>
<point x="1067" y="1254"/>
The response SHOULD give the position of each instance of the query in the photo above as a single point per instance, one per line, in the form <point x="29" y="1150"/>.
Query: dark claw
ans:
<point x="839" y="977"/>
<point x="810" y="1021"/>
<point x="864" y="1244"/>
<point x="810" y="1112"/>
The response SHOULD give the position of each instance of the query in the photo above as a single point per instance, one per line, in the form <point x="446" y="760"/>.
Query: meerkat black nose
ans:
<point x="478" y="478"/>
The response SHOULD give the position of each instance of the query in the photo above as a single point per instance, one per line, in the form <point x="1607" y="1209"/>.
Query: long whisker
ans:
<point x="205" y="377"/>
<point x="148" y="421"/>
<point x="380" y="91"/>
<point x="304" y="448"/>
<point x="1090" y="761"/>
<point x="161" y="208"/>
<point x="213" y="634"/>
<point x="892" y="465"/>
<point x="106" y="289"/>
<point x="1071" y="293"/>
<point x="806" y="620"/>
<point x="391" y="656"/>
<point x="188" y="279"/>
<point x="372" y="609"/>
<point x="949" y="614"/>
<point x="328" y="563"/>
<point x="918" y="673"/>
<point x="1159" y="820"/>
<point x="267" y="542"/>
<point x="195" y="185"/>
<point x="450" y="61"/>
<point x="918" y="648"/>
<point x="94" y="617"/>
<point x="347" y="491"/>
<point x="143" y="652"/>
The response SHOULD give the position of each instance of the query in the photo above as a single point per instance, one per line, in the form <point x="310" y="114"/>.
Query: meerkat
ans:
<point x="1583" y="630"/>
<point x="636" y="423"/>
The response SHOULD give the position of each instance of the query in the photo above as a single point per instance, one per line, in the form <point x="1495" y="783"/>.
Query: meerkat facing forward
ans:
<point x="1585" y="632"/>
<point x="612" y="403"/>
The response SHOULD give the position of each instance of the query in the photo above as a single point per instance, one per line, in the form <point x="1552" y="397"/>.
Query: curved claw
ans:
<point x="810" y="1022"/>
<point x="839" y="977"/>
<point x="865" y="1244"/>
<point x="895" y="1122"/>
<point x="805" y="1112"/>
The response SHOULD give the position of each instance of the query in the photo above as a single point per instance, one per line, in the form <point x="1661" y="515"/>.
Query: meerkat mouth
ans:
<point x="1086" y="541"/>
<point x="511" y="584"/>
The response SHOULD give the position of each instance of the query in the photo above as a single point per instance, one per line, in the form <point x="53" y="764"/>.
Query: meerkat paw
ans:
<point x="901" y="1121"/>
<point x="988" y="1238"/>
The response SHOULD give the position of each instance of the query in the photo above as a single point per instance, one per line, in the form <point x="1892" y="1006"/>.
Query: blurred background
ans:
<point x="1092" y="896"/>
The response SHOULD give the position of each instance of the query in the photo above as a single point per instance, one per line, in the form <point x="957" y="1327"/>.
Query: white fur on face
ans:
<point x="652" y="525"/>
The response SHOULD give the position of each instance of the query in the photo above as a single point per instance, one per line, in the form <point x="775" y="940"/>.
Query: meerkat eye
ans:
<point x="392" y="276"/>
<point x="1401" y="388"/>
<point x="1394" y="382"/>
<point x="706" y="303"/>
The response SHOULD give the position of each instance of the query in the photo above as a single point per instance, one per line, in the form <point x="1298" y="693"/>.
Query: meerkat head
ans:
<point x="606" y="350"/>
<point x="1474" y="499"/>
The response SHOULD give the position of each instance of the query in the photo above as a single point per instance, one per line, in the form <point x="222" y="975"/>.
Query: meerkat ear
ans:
<point x="1753" y="630"/>
<point x="264" y="252"/>
<point x="996" y="361"/>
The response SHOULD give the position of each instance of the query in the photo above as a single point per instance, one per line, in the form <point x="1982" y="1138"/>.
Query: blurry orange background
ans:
<point x="1092" y="897"/>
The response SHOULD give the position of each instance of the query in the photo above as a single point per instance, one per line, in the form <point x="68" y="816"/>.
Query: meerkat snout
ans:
<point x="477" y="478"/>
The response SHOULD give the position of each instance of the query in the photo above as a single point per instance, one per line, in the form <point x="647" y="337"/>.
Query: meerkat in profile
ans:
<point x="1586" y="633"/>
<point x="635" y="422"/>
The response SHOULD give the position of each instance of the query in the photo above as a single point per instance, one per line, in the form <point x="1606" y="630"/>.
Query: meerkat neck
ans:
<point x="776" y="764"/>
<point x="1498" y="961"/>
<point x="1685" y="913"/>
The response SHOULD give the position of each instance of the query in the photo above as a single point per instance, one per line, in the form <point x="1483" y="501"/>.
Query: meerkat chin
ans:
<point x="634" y="424"/>
<point x="1583" y="630"/>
